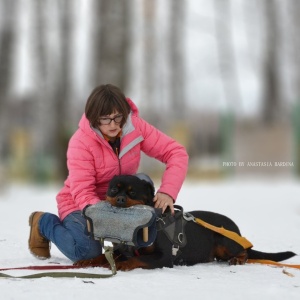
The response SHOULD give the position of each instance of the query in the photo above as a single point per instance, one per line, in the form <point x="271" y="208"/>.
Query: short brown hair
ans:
<point x="104" y="100"/>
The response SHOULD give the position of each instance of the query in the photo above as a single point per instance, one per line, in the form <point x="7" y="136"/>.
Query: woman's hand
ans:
<point x="163" y="201"/>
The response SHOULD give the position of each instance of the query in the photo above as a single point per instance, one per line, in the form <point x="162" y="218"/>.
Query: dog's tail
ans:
<point x="279" y="256"/>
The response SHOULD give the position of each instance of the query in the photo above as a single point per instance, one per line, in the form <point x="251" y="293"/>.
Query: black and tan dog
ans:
<point x="202" y="245"/>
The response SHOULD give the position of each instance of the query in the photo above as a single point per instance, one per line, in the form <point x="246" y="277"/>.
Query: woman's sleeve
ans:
<point x="158" y="145"/>
<point x="82" y="174"/>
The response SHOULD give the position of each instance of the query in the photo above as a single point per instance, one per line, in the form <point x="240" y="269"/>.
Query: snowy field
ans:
<point x="268" y="214"/>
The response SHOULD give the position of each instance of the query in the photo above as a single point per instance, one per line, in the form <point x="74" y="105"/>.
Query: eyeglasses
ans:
<point x="106" y="120"/>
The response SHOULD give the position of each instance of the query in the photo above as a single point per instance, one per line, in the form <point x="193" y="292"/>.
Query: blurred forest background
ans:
<point x="220" y="76"/>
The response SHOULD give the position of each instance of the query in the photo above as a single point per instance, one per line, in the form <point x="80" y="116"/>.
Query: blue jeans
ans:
<point x="70" y="235"/>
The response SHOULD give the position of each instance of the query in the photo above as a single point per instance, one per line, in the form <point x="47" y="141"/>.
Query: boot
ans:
<point x="38" y="245"/>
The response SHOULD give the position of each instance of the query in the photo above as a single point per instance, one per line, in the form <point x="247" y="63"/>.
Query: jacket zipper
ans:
<point x="119" y="161"/>
<point x="115" y="151"/>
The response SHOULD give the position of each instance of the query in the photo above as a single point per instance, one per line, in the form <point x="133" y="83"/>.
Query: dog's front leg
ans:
<point x="99" y="261"/>
<point x="145" y="262"/>
<point x="131" y="264"/>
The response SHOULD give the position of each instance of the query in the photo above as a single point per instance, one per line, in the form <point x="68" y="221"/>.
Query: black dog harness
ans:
<point x="174" y="228"/>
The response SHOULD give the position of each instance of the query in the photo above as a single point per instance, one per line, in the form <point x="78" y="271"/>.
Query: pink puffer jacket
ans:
<point x="92" y="162"/>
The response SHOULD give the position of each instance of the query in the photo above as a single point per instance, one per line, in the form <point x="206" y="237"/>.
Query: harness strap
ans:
<point x="229" y="234"/>
<point x="43" y="268"/>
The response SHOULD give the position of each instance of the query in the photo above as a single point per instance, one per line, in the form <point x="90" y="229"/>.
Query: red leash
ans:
<point x="54" y="267"/>
<point x="108" y="251"/>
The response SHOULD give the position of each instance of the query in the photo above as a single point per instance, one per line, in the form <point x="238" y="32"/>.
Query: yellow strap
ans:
<point x="271" y="262"/>
<point x="229" y="234"/>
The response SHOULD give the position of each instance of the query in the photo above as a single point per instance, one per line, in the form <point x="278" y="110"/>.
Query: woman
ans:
<point x="108" y="142"/>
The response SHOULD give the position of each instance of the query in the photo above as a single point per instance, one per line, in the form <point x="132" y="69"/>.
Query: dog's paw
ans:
<point x="236" y="261"/>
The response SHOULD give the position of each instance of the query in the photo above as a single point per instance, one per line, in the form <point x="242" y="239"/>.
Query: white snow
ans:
<point x="267" y="212"/>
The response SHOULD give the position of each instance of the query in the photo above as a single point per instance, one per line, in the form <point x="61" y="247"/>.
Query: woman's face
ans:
<point x="110" y="124"/>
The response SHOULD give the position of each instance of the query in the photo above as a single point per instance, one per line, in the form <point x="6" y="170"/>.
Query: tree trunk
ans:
<point x="176" y="50"/>
<point x="110" y="42"/>
<point x="226" y="55"/>
<point x="8" y="11"/>
<point x="149" y="55"/>
<point x="63" y="87"/>
<point x="271" y="110"/>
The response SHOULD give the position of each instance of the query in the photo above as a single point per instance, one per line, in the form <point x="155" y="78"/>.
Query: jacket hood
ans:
<point x="134" y="108"/>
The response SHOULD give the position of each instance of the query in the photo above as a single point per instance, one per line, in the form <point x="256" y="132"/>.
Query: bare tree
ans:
<point x="7" y="42"/>
<point x="226" y="54"/>
<point x="53" y="83"/>
<point x="8" y="11"/>
<point x="294" y="13"/>
<point x="110" y="42"/>
<point x="176" y="50"/>
<point x="42" y="75"/>
<point x="149" y="52"/>
<point x="44" y="62"/>
<point x="63" y="85"/>
<point x="271" y="81"/>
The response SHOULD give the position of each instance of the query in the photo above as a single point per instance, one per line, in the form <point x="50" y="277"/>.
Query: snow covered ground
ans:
<point x="268" y="214"/>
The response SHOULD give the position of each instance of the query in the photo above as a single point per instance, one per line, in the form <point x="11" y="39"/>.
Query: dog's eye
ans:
<point x="132" y="193"/>
<point x="114" y="190"/>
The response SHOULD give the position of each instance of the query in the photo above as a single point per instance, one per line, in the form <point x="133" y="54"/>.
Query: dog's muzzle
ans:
<point x="133" y="226"/>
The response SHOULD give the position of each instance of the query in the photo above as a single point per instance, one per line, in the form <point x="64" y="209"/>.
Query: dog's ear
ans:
<point x="112" y="181"/>
<point x="149" y="188"/>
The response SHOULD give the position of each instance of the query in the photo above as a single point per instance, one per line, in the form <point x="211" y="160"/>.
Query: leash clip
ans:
<point x="107" y="244"/>
<point x="188" y="217"/>
<point x="175" y="250"/>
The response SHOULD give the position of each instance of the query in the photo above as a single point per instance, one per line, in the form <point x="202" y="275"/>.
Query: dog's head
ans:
<point x="129" y="190"/>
